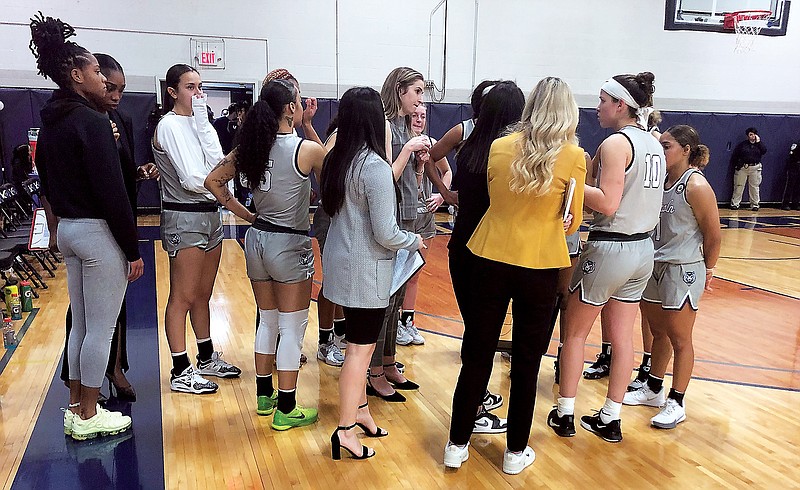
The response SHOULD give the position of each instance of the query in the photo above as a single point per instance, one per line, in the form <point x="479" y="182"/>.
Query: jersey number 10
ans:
<point x="652" y="171"/>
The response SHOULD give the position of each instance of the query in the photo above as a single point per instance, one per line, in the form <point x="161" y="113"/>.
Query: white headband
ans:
<point x="487" y="90"/>
<point x="618" y="91"/>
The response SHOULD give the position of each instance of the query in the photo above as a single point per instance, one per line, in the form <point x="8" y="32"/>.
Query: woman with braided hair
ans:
<point x="82" y="179"/>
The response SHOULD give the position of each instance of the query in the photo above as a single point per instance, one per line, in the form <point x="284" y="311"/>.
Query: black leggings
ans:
<point x="363" y="324"/>
<point x="490" y="288"/>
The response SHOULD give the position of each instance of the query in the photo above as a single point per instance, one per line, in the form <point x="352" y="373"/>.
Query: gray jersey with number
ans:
<point x="641" y="192"/>
<point x="678" y="239"/>
<point x="284" y="193"/>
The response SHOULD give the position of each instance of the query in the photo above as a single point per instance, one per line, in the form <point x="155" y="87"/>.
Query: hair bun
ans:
<point x="645" y="80"/>
<point x="48" y="33"/>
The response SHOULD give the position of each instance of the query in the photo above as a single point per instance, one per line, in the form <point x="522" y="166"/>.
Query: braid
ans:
<point x="55" y="56"/>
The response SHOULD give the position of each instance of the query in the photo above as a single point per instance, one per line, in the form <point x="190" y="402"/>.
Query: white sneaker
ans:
<point x="404" y="336"/>
<point x="670" y="416"/>
<point x="645" y="396"/>
<point x="330" y="354"/>
<point x="416" y="338"/>
<point x="104" y="423"/>
<point x="514" y="463"/>
<point x="340" y="341"/>
<point x="636" y="384"/>
<point x="455" y="455"/>
<point x="69" y="417"/>
<point x="190" y="381"/>
<point x="217" y="367"/>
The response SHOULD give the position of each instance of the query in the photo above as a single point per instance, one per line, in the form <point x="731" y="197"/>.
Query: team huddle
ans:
<point x="653" y="236"/>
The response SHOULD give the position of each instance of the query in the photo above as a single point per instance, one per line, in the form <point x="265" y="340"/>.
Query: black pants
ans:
<point x="461" y="261"/>
<point x="492" y="285"/>
<point x="120" y="335"/>
<point x="791" y="195"/>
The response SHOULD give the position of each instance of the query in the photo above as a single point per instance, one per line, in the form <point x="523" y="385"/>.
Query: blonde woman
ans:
<point x="520" y="241"/>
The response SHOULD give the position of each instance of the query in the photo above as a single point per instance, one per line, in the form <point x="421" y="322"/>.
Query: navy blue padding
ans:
<point x="719" y="131"/>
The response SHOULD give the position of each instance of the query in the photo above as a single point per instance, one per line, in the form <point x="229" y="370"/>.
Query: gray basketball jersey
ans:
<point x="641" y="192"/>
<point x="283" y="196"/>
<point x="467" y="126"/>
<point x="188" y="144"/>
<point x="678" y="239"/>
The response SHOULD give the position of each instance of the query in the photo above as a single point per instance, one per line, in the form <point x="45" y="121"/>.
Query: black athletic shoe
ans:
<point x="600" y="369"/>
<point x="611" y="432"/>
<point x="563" y="426"/>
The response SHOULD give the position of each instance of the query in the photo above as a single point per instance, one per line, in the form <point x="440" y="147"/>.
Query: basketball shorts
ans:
<point x="613" y="270"/>
<point x="279" y="257"/>
<point x="672" y="285"/>
<point x="322" y="222"/>
<point x="185" y="229"/>
<point x="574" y="245"/>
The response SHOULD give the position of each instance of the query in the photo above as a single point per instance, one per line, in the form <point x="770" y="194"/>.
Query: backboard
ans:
<point x="709" y="15"/>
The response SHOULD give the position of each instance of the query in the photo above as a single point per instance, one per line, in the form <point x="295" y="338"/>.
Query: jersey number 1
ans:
<point x="652" y="171"/>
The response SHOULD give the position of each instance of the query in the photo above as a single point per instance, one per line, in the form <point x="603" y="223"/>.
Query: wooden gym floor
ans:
<point x="741" y="431"/>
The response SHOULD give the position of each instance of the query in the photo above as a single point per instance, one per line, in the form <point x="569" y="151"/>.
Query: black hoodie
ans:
<point x="79" y="166"/>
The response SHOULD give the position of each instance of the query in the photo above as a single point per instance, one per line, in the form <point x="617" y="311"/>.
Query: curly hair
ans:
<point x="260" y="130"/>
<point x="55" y="56"/>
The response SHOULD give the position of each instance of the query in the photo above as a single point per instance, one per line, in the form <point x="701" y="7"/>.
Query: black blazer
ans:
<point x="126" y="154"/>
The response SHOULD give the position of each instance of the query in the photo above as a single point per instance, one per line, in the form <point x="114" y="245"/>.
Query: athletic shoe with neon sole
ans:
<point x="103" y="423"/>
<point x="216" y="366"/>
<point x="266" y="404"/>
<point x="645" y="396"/>
<point x="299" y="417"/>
<point x="670" y="416"/>
<point x="69" y="417"/>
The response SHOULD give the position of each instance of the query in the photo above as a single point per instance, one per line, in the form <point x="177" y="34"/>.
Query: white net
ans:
<point x="747" y="26"/>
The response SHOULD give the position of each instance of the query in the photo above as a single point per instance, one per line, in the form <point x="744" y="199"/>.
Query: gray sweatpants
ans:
<point x="97" y="276"/>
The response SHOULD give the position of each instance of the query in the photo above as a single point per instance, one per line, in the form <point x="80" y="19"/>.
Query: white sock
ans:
<point x="566" y="406"/>
<point x="610" y="411"/>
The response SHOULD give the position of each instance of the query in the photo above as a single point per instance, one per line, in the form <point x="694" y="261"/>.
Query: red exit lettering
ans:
<point x="208" y="58"/>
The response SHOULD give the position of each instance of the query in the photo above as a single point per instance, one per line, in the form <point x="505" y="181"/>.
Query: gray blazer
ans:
<point x="363" y="237"/>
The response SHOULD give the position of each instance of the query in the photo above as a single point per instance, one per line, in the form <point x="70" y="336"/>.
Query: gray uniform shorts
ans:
<point x="279" y="257"/>
<point x="672" y="285"/>
<point x="574" y="244"/>
<point x="425" y="224"/>
<point x="610" y="269"/>
<point x="322" y="222"/>
<point x="184" y="229"/>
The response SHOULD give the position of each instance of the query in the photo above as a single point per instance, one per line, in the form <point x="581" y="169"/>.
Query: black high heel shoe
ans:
<point x="378" y="431"/>
<point x="123" y="393"/>
<point x="394" y="397"/>
<point x="336" y="446"/>
<point x="405" y="385"/>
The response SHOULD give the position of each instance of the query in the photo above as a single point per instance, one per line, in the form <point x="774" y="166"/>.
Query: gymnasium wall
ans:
<point x="333" y="44"/>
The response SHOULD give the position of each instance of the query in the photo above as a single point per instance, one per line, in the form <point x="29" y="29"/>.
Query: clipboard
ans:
<point x="406" y="265"/>
<point x="39" y="237"/>
<point x="569" y="194"/>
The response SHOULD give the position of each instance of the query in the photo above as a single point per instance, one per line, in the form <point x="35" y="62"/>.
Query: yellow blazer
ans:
<point x="521" y="229"/>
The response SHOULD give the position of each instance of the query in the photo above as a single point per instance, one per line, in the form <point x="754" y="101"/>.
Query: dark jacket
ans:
<point x="127" y="160"/>
<point x="79" y="166"/>
<point x="793" y="162"/>
<point x="747" y="153"/>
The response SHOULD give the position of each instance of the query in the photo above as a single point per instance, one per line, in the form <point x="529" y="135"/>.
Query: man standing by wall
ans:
<point x="746" y="163"/>
<point x="791" y="195"/>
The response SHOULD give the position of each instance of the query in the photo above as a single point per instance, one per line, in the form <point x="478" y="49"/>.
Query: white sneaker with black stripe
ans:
<point x="491" y="401"/>
<point x="217" y="367"/>
<point x="190" y="381"/>
<point x="489" y="423"/>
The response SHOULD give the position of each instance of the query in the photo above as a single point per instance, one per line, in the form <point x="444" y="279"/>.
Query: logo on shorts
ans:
<point x="588" y="267"/>
<point x="681" y="187"/>
<point x="174" y="239"/>
<point x="689" y="277"/>
<point x="306" y="259"/>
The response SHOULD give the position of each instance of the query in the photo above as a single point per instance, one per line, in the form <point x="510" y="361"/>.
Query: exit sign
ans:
<point x="208" y="53"/>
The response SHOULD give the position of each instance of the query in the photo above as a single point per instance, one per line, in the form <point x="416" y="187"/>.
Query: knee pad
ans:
<point x="292" y="327"/>
<point x="267" y="332"/>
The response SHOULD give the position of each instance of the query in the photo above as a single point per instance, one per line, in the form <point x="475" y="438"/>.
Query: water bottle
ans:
<point x="9" y="292"/>
<point x="9" y="336"/>
<point x="16" y="307"/>
<point x="27" y="296"/>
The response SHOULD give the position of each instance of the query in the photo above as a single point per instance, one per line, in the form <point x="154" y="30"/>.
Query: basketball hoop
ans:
<point x="747" y="24"/>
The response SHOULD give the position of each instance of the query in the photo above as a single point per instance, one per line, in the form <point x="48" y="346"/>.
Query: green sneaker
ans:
<point x="267" y="404"/>
<point x="298" y="417"/>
